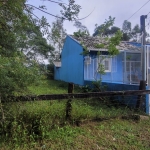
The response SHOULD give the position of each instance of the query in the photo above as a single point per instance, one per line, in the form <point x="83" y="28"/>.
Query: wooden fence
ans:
<point x="75" y="95"/>
<point x="70" y="96"/>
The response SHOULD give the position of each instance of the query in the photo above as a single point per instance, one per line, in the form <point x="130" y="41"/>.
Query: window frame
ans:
<point x="105" y="58"/>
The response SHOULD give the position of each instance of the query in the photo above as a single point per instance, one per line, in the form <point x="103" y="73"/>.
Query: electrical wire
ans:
<point x="139" y="10"/>
<point x="148" y="13"/>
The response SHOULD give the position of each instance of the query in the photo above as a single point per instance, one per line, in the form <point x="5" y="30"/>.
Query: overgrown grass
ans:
<point x="49" y="87"/>
<point x="42" y="124"/>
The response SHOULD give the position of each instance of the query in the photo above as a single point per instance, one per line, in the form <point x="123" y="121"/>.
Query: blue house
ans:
<point x="122" y="72"/>
<point x="77" y="68"/>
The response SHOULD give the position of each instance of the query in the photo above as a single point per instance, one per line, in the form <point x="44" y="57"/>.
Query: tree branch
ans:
<point x="58" y="16"/>
<point x="87" y="15"/>
<point x="55" y="2"/>
<point x="44" y="11"/>
<point x="30" y="12"/>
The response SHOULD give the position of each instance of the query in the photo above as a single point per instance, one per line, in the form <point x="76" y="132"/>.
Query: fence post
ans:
<point x="68" y="105"/>
<point x="140" y="98"/>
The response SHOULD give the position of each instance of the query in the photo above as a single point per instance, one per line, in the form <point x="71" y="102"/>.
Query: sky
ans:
<point x="102" y="9"/>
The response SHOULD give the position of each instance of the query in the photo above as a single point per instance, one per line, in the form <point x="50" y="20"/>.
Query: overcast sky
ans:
<point x="120" y="9"/>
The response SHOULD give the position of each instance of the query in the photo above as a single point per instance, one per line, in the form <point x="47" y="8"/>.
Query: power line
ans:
<point x="139" y="10"/>
<point x="148" y="13"/>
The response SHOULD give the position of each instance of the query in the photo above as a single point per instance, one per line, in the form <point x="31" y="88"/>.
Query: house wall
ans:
<point x="116" y="74"/>
<point x="148" y="101"/>
<point x="132" y="73"/>
<point x="71" y="70"/>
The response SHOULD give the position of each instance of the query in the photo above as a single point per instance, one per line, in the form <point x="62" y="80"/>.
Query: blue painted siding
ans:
<point x="148" y="101"/>
<point x="116" y="74"/>
<point x="115" y="86"/>
<point x="128" y="100"/>
<point x="72" y="69"/>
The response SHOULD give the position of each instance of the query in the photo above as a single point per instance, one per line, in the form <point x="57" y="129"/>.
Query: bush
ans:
<point x="50" y="71"/>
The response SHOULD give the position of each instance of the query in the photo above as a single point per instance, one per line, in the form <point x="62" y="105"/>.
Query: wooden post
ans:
<point x="68" y="105"/>
<point x="70" y="87"/>
<point x="140" y="98"/>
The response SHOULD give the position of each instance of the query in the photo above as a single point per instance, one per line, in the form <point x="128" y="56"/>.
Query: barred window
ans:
<point x="106" y="62"/>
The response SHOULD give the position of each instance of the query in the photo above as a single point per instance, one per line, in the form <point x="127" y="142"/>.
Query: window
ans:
<point x="106" y="62"/>
<point x="87" y="60"/>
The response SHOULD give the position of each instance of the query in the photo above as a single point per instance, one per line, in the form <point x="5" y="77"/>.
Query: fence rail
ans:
<point x="75" y="95"/>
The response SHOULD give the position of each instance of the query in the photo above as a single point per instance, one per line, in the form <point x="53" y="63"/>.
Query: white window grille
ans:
<point x="106" y="62"/>
<point x="87" y="60"/>
<point x="132" y="71"/>
<point x="114" y="64"/>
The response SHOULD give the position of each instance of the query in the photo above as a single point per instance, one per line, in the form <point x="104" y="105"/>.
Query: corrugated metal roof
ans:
<point x="91" y="42"/>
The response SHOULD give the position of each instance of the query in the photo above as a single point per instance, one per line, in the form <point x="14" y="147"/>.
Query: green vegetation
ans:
<point x="24" y="42"/>
<point x="49" y="87"/>
<point x="94" y="125"/>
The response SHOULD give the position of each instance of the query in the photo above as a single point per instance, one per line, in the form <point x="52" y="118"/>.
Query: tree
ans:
<point x="125" y="37"/>
<point x="98" y="30"/>
<point x="16" y="15"/>
<point x="126" y="29"/>
<point x="107" y="32"/>
<point x="57" y="34"/>
<point x="108" y="37"/>
<point x="114" y="30"/>
<point x="82" y="30"/>
<point x="31" y="42"/>
<point x="109" y="43"/>
<point x="106" y="29"/>
<point x="80" y="27"/>
<point x="22" y="42"/>
<point x="135" y="33"/>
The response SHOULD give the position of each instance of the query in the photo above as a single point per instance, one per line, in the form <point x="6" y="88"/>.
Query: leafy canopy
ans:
<point x="23" y="42"/>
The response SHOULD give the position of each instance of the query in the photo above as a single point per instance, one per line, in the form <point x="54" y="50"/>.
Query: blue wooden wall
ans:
<point x="148" y="102"/>
<point x="72" y="69"/>
<point x="116" y="74"/>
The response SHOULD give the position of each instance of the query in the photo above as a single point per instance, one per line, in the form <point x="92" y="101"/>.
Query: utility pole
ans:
<point x="143" y="43"/>
<point x="142" y="86"/>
